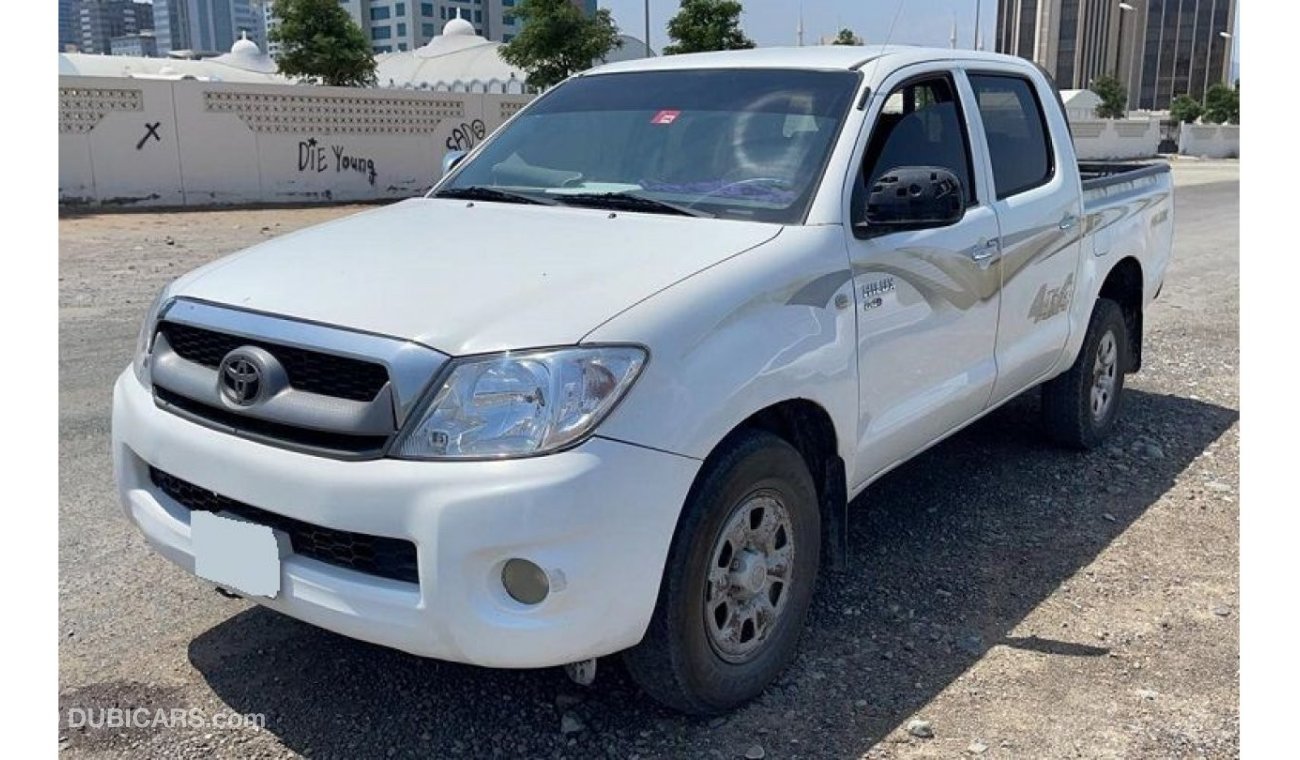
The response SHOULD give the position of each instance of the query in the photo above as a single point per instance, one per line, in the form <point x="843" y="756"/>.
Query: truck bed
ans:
<point x="1100" y="174"/>
<point x="1128" y="211"/>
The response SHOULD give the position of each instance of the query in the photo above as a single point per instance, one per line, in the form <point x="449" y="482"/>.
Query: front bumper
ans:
<point x="598" y="519"/>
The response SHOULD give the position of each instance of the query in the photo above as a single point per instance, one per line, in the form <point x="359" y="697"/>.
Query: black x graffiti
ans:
<point x="151" y="130"/>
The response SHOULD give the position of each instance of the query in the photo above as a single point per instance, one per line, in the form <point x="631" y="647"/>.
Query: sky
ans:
<point x="773" y="22"/>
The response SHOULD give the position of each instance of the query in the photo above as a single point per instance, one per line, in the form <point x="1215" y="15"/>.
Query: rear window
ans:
<point x="1017" y="133"/>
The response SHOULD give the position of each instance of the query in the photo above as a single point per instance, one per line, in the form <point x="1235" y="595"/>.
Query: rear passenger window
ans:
<point x="1016" y="130"/>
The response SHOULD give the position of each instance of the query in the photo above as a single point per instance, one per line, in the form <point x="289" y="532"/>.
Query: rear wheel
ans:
<point x="738" y="580"/>
<point x="1080" y="406"/>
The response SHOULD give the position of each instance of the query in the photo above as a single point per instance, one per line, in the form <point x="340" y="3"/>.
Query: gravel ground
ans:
<point x="1007" y="598"/>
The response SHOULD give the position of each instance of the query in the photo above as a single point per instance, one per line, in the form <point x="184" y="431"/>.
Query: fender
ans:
<point x="770" y="325"/>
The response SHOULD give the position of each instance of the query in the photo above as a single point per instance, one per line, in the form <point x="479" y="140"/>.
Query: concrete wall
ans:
<point x="1210" y="140"/>
<point x="139" y="142"/>
<point x="1106" y="139"/>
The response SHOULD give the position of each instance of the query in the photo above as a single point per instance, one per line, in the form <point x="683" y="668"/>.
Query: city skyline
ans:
<point x="918" y="22"/>
<point x="929" y="22"/>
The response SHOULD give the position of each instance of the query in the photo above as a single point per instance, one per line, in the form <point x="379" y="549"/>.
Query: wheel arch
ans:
<point x="808" y="427"/>
<point x="1124" y="285"/>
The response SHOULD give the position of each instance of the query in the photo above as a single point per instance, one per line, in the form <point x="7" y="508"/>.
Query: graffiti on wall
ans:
<point x="315" y="156"/>
<point x="466" y="136"/>
<point x="150" y="130"/>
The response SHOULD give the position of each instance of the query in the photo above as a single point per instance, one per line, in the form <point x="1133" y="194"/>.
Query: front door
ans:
<point x="927" y="299"/>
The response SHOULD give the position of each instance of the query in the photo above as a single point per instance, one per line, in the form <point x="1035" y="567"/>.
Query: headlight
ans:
<point x="144" y="341"/>
<point x="520" y="404"/>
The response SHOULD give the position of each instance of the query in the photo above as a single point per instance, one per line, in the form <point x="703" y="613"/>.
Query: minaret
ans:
<point x="798" y="33"/>
<point x="952" y="36"/>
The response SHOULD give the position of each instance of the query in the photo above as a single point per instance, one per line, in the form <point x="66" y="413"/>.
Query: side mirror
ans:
<point x="913" y="198"/>
<point x="450" y="159"/>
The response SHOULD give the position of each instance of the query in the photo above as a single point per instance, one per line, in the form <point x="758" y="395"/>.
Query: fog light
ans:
<point x="525" y="582"/>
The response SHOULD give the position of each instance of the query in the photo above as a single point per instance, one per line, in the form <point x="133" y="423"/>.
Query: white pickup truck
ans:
<point x="611" y="385"/>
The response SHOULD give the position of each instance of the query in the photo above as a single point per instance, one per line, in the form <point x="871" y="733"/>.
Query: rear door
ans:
<point x="1038" y="210"/>
<point x="927" y="299"/>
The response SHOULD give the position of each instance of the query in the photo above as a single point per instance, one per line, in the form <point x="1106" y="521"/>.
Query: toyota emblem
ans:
<point x="240" y="376"/>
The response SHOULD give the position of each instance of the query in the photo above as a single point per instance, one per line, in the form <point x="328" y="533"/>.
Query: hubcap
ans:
<point x="1105" y="371"/>
<point x="749" y="577"/>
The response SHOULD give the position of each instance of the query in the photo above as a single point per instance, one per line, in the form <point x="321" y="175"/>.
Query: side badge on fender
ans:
<point x="872" y="292"/>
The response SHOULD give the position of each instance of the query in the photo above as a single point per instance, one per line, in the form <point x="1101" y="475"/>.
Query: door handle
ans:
<point x="986" y="251"/>
<point x="1068" y="222"/>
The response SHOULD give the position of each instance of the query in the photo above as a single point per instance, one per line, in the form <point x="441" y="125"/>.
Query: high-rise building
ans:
<point x="1188" y="50"/>
<point x="140" y="45"/>
<point x="394" y="25"/>
<point x="207" y="25"/>
<point x="1156" y="48"/>
<point x="102" y="20"/>
<point x="69" y="26"/>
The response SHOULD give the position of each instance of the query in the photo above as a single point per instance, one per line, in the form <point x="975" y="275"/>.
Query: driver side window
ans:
<point x="920" y="124"/>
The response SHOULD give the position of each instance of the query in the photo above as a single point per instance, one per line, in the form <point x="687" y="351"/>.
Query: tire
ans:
<point x="695" y="657"/>
<point x="1080" y="407"/>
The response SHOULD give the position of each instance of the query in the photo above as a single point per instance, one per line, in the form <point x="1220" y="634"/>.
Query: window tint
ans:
<point x="920" y="125"/>
<point x="1016" y="132"/>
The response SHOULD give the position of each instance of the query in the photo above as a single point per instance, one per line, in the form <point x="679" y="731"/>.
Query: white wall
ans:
<point x="1106" y="139"/>
<point x="1210" y="140"/>
<point x="134" y="142"/>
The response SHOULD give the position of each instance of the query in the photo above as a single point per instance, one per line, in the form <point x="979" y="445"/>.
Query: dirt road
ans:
<point x="1025" y="601"/>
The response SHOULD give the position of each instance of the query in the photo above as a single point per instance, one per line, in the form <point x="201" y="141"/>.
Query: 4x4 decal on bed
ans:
<point x="1052" y="301"/>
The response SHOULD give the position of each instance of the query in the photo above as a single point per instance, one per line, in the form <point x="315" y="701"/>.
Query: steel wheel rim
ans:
<point x="1105" y="374"/>
<point x="749" y="575"/>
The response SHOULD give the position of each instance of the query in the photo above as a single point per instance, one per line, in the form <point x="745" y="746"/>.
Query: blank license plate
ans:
<point x="239" y="555"/>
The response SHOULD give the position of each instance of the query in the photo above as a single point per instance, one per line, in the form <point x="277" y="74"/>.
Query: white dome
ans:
<point x="245" y="47"/>
<point x="246" y="55"/>
<point x="458" y="27"/>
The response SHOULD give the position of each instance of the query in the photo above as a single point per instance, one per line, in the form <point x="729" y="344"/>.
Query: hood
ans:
<point x="468" y="278"/>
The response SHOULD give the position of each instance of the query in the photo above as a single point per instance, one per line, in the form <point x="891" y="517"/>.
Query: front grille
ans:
<point x="342" y="445"/>
<point x="374" y="555"/>
<point x="311" y="371"/>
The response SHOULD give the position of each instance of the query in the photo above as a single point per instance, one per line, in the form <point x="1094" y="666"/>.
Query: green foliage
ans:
<point x="321" y="44"/>
<point x="1114" y="98"/>
<point x="1223" y="103"/>
<point x="1185" y="109"/>
<point x="704" y="25"/>
<point x="558" y="40"/>
<point x="847" y="37"/>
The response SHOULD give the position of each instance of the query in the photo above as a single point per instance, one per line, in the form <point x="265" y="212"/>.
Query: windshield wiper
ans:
<point x="628" y="202"/>
<point x="481" y="193"/>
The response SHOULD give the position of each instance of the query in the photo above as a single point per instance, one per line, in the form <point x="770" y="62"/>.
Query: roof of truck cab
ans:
<point x="817" y="57"/>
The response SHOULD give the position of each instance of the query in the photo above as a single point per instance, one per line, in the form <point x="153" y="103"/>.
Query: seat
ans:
<point x="930" y="136"/>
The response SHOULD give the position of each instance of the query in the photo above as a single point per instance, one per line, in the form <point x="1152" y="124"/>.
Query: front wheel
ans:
<point x="1080" y="406"/>
<point x="738" y="580"/>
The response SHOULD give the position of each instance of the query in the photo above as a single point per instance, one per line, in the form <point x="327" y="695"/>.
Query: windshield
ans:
<point x="739" y="143"/>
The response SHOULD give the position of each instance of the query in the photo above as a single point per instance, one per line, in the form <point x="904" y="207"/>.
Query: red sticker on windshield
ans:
<point x="665" y="117"/>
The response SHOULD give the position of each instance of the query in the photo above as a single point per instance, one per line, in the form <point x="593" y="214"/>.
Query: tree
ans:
<point x="558" y="40"/>
<point x="321" y="44"/>
<point x="1222" y="103"/>
<point x="1185" y="109"/>
<point x="847" y="37"/>
<point x="1114" y="99"/>
<point x="703" y="25"/>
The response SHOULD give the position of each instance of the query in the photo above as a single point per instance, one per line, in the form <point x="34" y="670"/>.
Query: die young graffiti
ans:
<point x="315" y="157"/>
